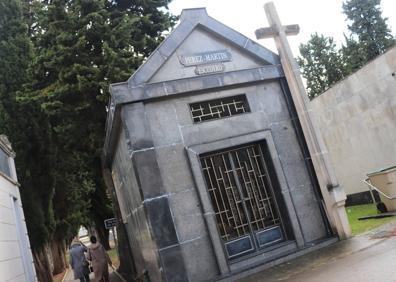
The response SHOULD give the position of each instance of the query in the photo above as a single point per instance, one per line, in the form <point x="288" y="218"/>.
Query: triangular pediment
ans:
<point x="201" y="46"/>
<point x="204" y="53"/>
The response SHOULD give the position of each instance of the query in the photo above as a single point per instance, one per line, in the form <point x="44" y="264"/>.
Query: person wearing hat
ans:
<point x="78" y="261"/>
<point x="99" y="260"/>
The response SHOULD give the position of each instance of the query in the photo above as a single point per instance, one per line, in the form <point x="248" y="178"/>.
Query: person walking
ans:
<point x="78" y="261"/>
<point x="99" y="260"/>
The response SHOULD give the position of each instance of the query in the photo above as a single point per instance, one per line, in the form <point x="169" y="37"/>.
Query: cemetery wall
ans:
<point x="357" y="119"/>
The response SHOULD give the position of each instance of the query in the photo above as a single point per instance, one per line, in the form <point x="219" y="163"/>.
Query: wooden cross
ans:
<point x="333" y="195"/>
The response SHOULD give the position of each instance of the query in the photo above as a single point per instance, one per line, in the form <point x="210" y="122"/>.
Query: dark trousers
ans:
<point x="85" y="278"/>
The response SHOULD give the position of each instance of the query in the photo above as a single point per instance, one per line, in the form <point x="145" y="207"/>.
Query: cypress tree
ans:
<point x="24" y="123"/>
<point x="81" y="47"/>
<point x="53" y="104"/>
<point x="368" y="27"/>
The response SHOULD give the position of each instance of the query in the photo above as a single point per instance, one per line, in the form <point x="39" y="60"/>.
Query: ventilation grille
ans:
<point x="219" y="108"/>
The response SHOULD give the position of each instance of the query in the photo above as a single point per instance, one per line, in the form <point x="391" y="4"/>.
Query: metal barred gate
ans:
<point x="242" y="197"/>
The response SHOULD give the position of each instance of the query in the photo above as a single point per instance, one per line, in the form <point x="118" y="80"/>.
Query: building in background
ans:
<point x="16" y="261"/>
<point x="357" y="118"/>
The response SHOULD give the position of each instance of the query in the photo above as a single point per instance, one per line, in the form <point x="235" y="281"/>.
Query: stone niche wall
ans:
<point x="16" y="260"/>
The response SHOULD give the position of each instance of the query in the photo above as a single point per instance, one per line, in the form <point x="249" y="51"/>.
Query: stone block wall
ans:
<point x="357" y="120"/>
<point x="153" y="149"/>
<point x="157" y="191"/>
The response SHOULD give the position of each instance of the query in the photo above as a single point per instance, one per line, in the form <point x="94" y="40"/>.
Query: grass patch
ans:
<point x="361" y="226"/>
<point x="114" y="257"/>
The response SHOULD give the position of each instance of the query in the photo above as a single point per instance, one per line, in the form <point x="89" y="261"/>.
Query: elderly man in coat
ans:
<point x="78" y="262"/>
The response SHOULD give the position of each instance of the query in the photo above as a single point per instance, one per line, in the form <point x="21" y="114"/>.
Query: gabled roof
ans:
<point x="190" y="19"/>
<point x="139" y="88"/>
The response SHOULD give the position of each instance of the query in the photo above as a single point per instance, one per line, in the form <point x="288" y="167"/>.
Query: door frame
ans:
<point x="194" y="153"/>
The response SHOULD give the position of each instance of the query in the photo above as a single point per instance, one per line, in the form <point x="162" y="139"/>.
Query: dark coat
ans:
<point x="78" y="261"/>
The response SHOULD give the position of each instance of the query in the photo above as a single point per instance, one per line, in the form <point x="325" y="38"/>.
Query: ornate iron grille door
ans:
<point x="243" y="199"/>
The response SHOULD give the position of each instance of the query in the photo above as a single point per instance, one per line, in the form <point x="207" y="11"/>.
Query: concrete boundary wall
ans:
<point x="357" y="118"/>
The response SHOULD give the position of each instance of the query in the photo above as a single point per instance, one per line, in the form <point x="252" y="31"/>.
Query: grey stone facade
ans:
<point x="153" y="149"/>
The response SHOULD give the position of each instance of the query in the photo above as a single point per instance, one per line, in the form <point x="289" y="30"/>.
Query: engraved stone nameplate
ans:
<point x="209" y="68"/>
<point x="205" y="58"/>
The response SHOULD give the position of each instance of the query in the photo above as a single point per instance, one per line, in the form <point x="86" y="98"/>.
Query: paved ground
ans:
<point x="369" y="257"/>
<point x="113" y="276"/>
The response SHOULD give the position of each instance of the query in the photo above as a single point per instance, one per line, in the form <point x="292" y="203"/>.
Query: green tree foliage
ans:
<point x="321" y="64"/>
<point x="15" y="54"/>
<point x="24" y="123"/>
<point x="27" y="128"/>
<point x="353" y="54"/>
<point x="82" y="46"/>
<point x="53" y="102"/>
<point x="368" y="27"/>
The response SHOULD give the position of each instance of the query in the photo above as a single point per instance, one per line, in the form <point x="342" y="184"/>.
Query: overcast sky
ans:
<point x="245" y="16"/>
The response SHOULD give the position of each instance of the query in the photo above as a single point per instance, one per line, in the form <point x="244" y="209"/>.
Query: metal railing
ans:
<point x="242" y="196"/>
<point x="371" y="186"/>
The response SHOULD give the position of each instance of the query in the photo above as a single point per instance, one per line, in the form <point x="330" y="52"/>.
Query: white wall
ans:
<point x="16" y="262"/>
<point x="357" y="118"/>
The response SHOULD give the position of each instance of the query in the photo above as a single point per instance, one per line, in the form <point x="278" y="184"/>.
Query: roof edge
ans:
<point x="193" y="13"/>
<point x="190" y="19"/>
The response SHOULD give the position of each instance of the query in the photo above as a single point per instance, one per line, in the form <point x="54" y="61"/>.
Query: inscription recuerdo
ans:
<point x="205" y="58"/>
<point x="209" y="68"/>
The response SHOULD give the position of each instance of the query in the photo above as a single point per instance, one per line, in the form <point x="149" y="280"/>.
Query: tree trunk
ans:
<point x="103" y="234"/>
<point x="58" y="250"/>
<point x="42" y="264"/>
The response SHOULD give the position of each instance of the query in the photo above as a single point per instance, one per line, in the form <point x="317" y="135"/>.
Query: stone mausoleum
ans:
<point x="209" y="164"/>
